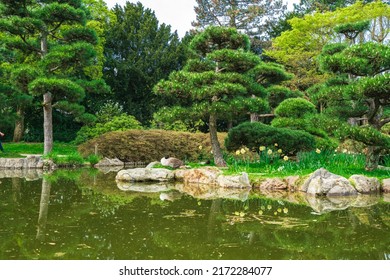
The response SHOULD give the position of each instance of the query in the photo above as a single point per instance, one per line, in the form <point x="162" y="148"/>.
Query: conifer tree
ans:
<point x="249" y="16"/>
<point x="360" y="90"/>
<point x="54" y="40"/>
<point x="217" y="81"/>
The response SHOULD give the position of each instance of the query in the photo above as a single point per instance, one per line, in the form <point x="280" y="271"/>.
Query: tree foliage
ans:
<point x="298" y="48"/>
<point x="252" y="17"/>
<point x="139" y="52"/>
<point x="254" y="135"/>
<point x="216" y="82"/>
<point x="52" y="37"/>
<point x="363" y="92"/>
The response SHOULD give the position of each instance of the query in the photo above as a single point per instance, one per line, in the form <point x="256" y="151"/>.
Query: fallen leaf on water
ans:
<point x="59" y="254"/>
<point x="84" y="246"/>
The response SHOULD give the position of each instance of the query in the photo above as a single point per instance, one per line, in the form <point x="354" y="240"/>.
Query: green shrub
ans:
<point x="322" y="140"/>
<point x="254" y="135"/>
<point x="150" y="145"/>
<point x="276" y="94"/>
<point x="93" y="159"/>
<point x="300" y="124"/>
<point x="117" y="123"/>
<point x="295" y="108"/>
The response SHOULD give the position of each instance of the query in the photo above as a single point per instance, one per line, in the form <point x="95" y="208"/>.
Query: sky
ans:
<point x="177" y="13"/>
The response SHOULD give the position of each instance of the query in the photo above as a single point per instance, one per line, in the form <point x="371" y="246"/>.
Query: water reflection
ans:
<point x="85" y="215"/>
<point x="28" y="174"/>
<point x="43" y="209"/>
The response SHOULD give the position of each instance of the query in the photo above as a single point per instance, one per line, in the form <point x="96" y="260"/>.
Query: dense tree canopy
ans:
<point x="217" y="82"/>
<point x="252" y="17"/>
<point x="139" y="52"/>
<point x="362" y="90"/>
<point x="57" y="47"/>
<point x="298" y="48"/>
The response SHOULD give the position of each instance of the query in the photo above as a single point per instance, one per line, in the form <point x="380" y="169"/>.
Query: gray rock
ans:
<point x="152" y="164"/>
<point x="365" y="184"/>
<point x="179" y="174"/>
<point x="207" y="176"/>
<point x="386" y="185"/>
<point x="145" y="174"/>
<point x="273" y="184"/>
<point x="239" y="181"/>
<point x="322" y="182"/>
<point x="109" y="162"/>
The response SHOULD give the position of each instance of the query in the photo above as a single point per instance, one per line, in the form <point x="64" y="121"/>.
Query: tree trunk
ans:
<point x="216" y="148"/>
<point x="47" y="106"/>
<point x="254" y="117"/>
<point x="19" y="124"/>
<point x="47" y="123"/>
<point x="372" y="158"/>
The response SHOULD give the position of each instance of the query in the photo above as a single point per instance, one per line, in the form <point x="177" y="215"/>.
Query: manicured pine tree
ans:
<point x="217" y="81"/>
<point x="53" y="37"/>
<point x="361" y="89"/>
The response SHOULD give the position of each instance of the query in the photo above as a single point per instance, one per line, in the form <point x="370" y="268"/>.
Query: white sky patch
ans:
<point x="177" y="13"/>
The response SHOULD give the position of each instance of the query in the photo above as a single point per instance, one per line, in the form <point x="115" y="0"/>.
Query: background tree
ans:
<point x="362" y="90"/>
<point x="53" y="36"/>
<point x="253" y="17"/>
<point x="216" y="82"/>
<point x="309" y="6"/>
<point x="299" y="47"/>
<point x="139" y="52"/>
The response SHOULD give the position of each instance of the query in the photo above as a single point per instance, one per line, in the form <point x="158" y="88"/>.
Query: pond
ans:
<point x="84" y="215"/>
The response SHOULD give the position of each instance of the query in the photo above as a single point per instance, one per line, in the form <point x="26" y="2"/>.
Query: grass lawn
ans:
<point x="13" y="150"/>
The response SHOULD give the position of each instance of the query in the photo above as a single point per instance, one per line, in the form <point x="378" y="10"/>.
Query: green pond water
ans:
<point x="85" y="215"/>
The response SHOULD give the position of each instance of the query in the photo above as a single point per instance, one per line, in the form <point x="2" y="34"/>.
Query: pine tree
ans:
<point x="52" y="37"/>
<point x="217" y="81"/>
<point x="360" y="90"/>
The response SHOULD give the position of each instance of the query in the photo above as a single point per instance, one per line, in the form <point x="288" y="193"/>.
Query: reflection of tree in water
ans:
<point x="95" y="220"/>
<point x="43" y="209"/>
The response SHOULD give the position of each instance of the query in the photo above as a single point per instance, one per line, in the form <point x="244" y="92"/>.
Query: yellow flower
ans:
<point x="243" y="151"/>
<point x="262" y="148"/>
<point x="260" y="212"/>
<point x="269" y="152"/>
<point x="285" y="210"/>
<point x="280" y="151"/>
<point x="242" y="214"/>
<point x="238" y="152"/>
<point x="279" y="210"/>
<point x="200" y="147"/>
<point x="318" y="151"/>
<point x="269" y="207"/>
<point x="275" y="213"/>
<point x="285" y="158"/>
<point x="276" y="144"/>
<point x="237" y="213"/>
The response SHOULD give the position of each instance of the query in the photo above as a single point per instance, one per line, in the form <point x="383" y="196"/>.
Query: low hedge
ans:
<point x="151" y="145"/>
<point x="254" y="135"/>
